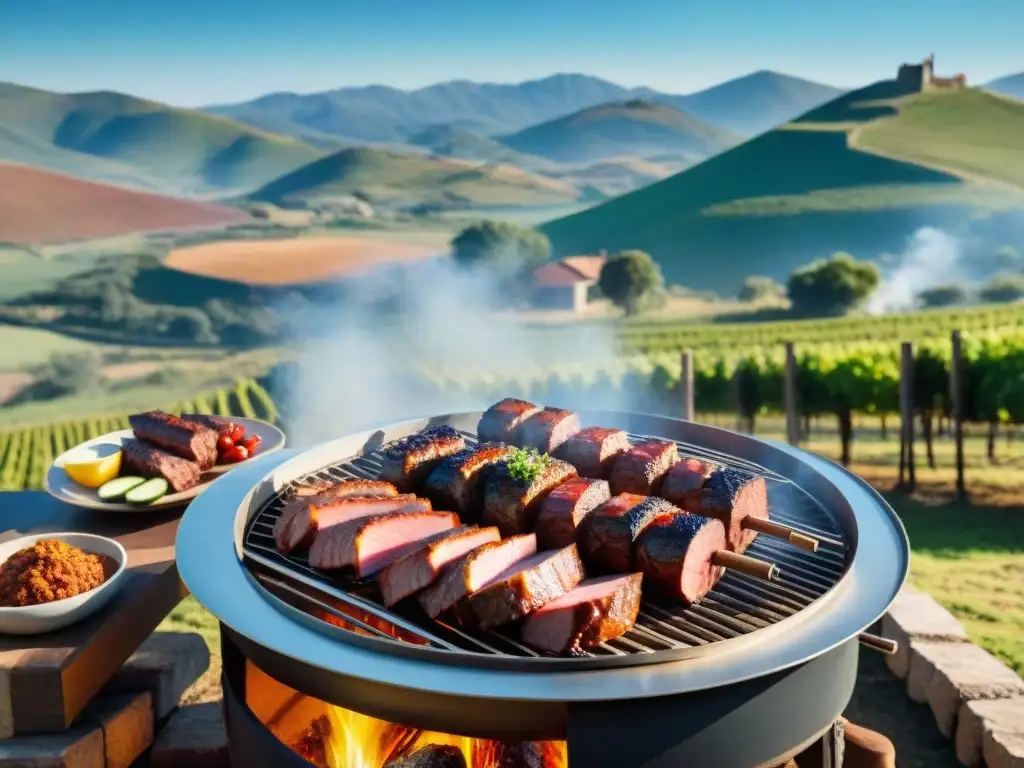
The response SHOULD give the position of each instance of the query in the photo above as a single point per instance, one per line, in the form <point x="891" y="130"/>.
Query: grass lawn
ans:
<point x="24" y="347"/>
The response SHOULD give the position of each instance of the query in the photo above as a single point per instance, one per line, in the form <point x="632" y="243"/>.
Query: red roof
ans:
<point x="569" y="271"/>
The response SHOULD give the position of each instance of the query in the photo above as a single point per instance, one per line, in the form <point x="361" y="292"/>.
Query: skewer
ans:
<point x="744" y="564"/>
<point x="881" y="644"/>
<point x="780" y="531"/>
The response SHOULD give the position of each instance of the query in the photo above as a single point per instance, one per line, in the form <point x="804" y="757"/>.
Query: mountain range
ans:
<point x="1011" y="85"/>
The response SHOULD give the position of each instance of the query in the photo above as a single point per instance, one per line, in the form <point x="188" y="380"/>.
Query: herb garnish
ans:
<point x="525" y="464"/>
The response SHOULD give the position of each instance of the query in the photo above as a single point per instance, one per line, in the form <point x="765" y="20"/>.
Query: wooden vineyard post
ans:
<point x="908" y="479"/>
<point x="792" y="411"/>
<point x="686" y="386"/>
<point x="956" y="391"/>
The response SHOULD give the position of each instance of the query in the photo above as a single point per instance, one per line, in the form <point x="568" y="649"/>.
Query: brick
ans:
<point x="917" y="616"/>
<point x="8" y="661"/>
<point x="977" y="717"/>
<point x="193" y="736"/>
<point x="947" y="674"/>
<point x="79" y="747"/>
<point x="165" y="665"/>
<point x="1003" y="750"/>
<point x="127" y="724"/>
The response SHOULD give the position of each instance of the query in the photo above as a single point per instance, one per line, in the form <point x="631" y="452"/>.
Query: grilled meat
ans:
<point x="500" y="422"/>
<point x="149" y="461"/>
<point x="474" y="570"/>
<point x="512" y="504"/>
<point x="422" y="568"/>
<point x="455" y="482"/>
<point x="431" y="756"/>
<point x="370" y="544"/>
<point x="302" y="519"/>
<point x="530" y="754"/>
<point x="218" y="424"/>
<point x="547" y="429"/>
<point x="642" y="468"/>
<point x="606" y="540"/>
<point x="175" y="435"/>
<point x="594" y="450"/>
<point x="732" y="497"/>
<point x="683" y="482"/>
<point x="674" y="553"/>
<point x="408" y="461"/>
<point x="566" y="508"/>
<point x="596" y="611"/>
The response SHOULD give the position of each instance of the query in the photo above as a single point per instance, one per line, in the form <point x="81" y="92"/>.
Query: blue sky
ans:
<point x="193" y="52"/>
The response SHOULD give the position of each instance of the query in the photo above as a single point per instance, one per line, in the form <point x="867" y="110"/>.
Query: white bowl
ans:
<point x="36" y="619"/>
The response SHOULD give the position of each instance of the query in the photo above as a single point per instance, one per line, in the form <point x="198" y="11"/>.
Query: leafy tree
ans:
<point x="630" y="279"/>
<point x="831" y="286"/>
<point x="507" y="247"/>
<point x="1003" y="288"/>
<point x="942" y="296"/>
<point x="756" y="288"/>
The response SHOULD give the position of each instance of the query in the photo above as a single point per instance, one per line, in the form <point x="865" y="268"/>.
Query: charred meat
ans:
<point x="455" y="482"/>
<point x="684" y="481"/>
<point x="302" y="519"/>
<point x="408" y="461"/>
<point x="596" y="611"/>
<point x="547" y="429"/>
<point x="218" y="424"/>
<point x="606" y="540"/>
<point x="146" y="460"/>
<point x="675" y="555"/>
<point x="175" y="435"/>
<point x="515" y="488"/>
<point x="594" y="450"/>
<point x="732" y="497"/>
<point x="431" y="756"/>
<point x="642" y="468"/>
<point x="500" y="422"/>
<point x="522" y="589"/>
<point x="566" y="508"/>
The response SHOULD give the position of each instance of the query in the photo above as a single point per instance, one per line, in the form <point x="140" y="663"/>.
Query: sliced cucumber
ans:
<point x="118" y="487"/>
<point x="148" y="492"/>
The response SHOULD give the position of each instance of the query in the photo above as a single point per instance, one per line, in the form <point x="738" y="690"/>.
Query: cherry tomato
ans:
<point x="238" y="433"/>
<point x="236" y="454"/>
<point x="225" y="443"/>
<point x="251" y="443"/>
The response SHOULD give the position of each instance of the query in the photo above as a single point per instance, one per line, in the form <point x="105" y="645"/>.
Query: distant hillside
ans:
<point x="121" y="139"/>
<point x="403" y="180"/>
<point x="858" y="174"/>
<point x="1011" y="85"/>
<point x="38" y="206"/>
<point x="618" y="175"/>
<point x="466" y="144"/>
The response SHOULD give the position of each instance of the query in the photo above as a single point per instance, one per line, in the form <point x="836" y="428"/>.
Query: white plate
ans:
<point x="36" y="619"/>
<point x="60" y="485"/>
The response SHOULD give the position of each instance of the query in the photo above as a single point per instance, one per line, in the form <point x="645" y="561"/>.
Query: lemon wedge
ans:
<point x="94" y="471"/>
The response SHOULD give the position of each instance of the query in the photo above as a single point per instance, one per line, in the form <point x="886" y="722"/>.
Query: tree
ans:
<point x="757" y="288"/>
<point x="942" y="296"/>
<point x="1002" y="289"/>
<point x="630" y="279"/>
<point x="831" y="286"/>
<point x="501" y="245"/>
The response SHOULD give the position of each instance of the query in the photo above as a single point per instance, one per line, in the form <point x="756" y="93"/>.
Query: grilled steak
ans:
<point x="606" y="540"/>
<point x="218" y="424"/>
<point x="642" y="468"/>
<point x="522" y="589"/>
<point x="566" y="508"/>
<point x="455" y="482"/>
<point x="431" y="756"/>
<point x="175" y="435"/>
<point x="547" y="429"/>
<point x="594" y="450"/>
<point x="683" y="482"/>
<point x="302" y="519"/>
<point x="149" y="461"/>
<point x="421" y="568"/>
<point x="472" y="571"/>
<point x="675" y="552"/>
<point x="500" y="422"/>
<point x="408" y="461"/>
<point x="512" y="504"/>
<point x="372" y="543"/>
<point x="597" y="611"/>
<point x="732" y="497"/>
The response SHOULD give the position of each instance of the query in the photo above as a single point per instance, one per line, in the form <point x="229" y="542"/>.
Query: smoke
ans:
<point x="365" y="356"/>
<point x="931" y="258"/>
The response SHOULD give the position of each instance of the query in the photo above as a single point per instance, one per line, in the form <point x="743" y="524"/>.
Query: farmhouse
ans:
<point x="566" y="283"/>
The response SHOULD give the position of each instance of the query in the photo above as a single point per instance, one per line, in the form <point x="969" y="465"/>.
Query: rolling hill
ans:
<point x="860" y="174"/>
<point x="39" y="206"/>
<point x="394" y="179"/>
<point x="467" y="144"/>
<point x="637" y="127"/>
<point x="1011" y="85"/>
<point x="121" y="139"/>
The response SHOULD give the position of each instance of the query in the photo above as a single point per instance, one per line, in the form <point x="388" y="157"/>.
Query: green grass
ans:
<point x="23" y="347"/>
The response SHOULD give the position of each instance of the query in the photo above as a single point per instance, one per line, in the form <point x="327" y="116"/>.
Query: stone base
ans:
<point x="194" y="737"/>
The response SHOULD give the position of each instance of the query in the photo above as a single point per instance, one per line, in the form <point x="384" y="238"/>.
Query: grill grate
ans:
<point x="738" y="605"/>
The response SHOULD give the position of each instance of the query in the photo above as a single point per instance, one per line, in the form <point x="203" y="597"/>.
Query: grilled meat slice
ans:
<point x="642" y="468"/>
<point x="512" y="504"/>
<point x="606" y="540"/>
<point x="422" y="568"/>
<point x="408" y="461"/>
<point x="149" y="461"/>
<point x="566" y="508"/>
<point x="594" y="450"/>
<point x="431" y="756"/>
<point x="732" y="497"/>
<point x="455" y="482"/>
<point x="500" y="422"/>
<point x="372" y="543"/>
<point x="596" y="611"/>
<point x="473" y="570"/>
<point x="683" y="482"/>
<point x="175" y="435"/>
<point x="302" y="519"/>
<point x="674" y="553"/>
<point x="522" y="589"/>
<point x="218" y="424"/>
<point x="547" y="429"/>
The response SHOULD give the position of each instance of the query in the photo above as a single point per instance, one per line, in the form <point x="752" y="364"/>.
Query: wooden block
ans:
<point x="165" y="665"/>
<point x="917" y="616"/>
<point x="866" y="748"/>
<point x="8" y="661"/>
<point x="1003" y="750"/>
<point x="193" y="736"/>
<point x="1005" y="716"/>
<point x="127" y="725"/>
<point x="80" y="747"/>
